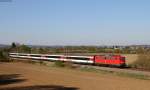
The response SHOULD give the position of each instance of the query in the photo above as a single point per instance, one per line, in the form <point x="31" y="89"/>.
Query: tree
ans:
<point x="3" y="55"/>
<point x="13" y="45"/>
<point x="127" y="50"/>
<point x="117" y="50"/>
<point x="42" y="51"/>
<point x="24" y="49"/>
<point x="140" y="50"/>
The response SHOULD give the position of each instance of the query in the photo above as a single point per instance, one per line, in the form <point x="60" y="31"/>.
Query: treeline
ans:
<point x="21" y="48"/>
<point x="89" y="49"/>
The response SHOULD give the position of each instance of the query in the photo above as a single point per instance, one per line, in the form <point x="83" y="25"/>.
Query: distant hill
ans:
<point x="3" y="45"/>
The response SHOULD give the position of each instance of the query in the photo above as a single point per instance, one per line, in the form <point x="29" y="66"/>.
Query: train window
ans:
<point x="53" y="56"/>
<point x="35" y="55"/>
<point x="78" y="58"/>
<point x="13" y="54"/>
<point x="22" y="55"/>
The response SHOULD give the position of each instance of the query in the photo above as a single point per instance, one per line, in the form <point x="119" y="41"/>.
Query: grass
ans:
<point x="130" y="58"/>
<point x="142" y="62"/>
<point x="59" y="64"/>
<point x="122" y="74"/>
<point x="90" y="69"/>
<point x="133" y="75"/>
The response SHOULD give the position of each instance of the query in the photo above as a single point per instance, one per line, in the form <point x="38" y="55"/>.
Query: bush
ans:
<point x="59" y="64"/>
<point x="4" y="56"/>
<point x="142" y="62"/>
<point x="70" y="65"/>
<point x="65" y="64"/>
<point x="42" y="62"/>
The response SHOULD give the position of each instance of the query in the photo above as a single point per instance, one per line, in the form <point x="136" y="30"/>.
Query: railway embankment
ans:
<point x="123" y="72"/>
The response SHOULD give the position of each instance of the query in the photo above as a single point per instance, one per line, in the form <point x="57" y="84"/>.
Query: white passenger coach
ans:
<point x="48" y="57"/>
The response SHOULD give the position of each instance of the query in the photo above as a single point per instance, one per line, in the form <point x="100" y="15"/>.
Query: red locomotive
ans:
<point x="116" y="60"/>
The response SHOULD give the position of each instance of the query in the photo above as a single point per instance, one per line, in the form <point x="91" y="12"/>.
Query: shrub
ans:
<point x="70" y="65"/>
<point x="4" y="56"/>
<point x="142" y="62"/>
<point x="42" y="62"/>
<point x="59" y="64"/>
<point x="65" y="64"/>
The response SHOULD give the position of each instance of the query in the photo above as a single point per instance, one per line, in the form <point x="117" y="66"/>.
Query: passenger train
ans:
<point x="116" y="60"/>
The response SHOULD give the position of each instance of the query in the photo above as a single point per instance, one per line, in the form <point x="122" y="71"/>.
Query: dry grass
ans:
<point x="130" y="58"/>
<point x="142" y="62"/>
<point x="39" y="75"/>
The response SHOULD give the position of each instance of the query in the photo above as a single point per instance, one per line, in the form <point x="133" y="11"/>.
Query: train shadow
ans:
<point x="41" y="87"/>
<point x="6" y="79"/>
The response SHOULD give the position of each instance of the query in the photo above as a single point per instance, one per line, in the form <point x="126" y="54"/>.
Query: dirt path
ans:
<point x="21" y="76"/>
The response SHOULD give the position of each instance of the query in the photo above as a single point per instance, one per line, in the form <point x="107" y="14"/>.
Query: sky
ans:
<point x="75" y="22"/>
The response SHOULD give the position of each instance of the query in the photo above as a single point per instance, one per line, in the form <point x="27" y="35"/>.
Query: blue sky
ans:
<point x="75" y="22"/>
